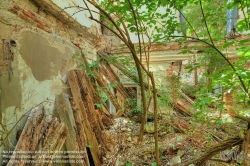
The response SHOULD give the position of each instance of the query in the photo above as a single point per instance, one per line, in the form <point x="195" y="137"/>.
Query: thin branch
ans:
<point x="149" y="40"/>
<point x="137" y="27"/>
<point x="82" y="9"/>
<point x="189" y="23"/>
<point x="205" y="21"/>
<point x="107" y="27"/>
<point x="121" y="36"/>
<point x="123" y="24"/>
<point x="88" y="8"/>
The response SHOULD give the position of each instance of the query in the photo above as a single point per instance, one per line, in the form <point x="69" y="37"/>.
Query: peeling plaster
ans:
<point x="43" y="59"/>
<point x="36" y="52"/>
<point x="41" y="66"/>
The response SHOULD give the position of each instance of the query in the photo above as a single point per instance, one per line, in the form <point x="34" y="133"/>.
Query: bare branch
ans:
<point x="137" y="28"/>
<point x="124" y="39"/>
<point x="205" y="21"/>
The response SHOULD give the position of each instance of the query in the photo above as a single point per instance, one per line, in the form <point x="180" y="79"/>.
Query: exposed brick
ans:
<point x="49" y="18"/>
<point x="47" y="29"/>
<point x="174" y="47"/>
<point x="31" y="15"/>
<point x="60" y="26"/>
<point x="157" y="47"/>
<point x="22" y="15"/>
<point x="15" y="6"/>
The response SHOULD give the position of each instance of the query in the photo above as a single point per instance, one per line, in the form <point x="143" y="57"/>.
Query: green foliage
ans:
<point x="209" y="137"/>
<point x="215" y="16"/>
<point x="154" y="18"/>
<point x="157" y="20"/>
<point x="154" y="164"/>
<point x="133" y="107"/>
<point x="128" y="164"/>
<point x="98" y="105"/>
<point x="163" y="157"/>
<point x="93" y="65"/>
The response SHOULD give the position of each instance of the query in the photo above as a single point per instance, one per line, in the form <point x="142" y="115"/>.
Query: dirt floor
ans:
<point x="181" y="139"/>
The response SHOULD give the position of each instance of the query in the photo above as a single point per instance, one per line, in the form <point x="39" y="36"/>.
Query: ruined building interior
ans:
<point x="48" y="101"/>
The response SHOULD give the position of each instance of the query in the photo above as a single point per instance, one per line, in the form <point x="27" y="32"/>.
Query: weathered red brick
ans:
<point x="30" y="15"/>
<point x="15" y="6"/>
<point x="174" y="46"/>
<point x="49" y="18"/>
<point x="60" y="25"/>
<point x="22" y="15"/>
<point x="47" y="29"/>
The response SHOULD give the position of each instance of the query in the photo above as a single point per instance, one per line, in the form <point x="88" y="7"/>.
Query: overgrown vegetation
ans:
<point x="155" y="22"/>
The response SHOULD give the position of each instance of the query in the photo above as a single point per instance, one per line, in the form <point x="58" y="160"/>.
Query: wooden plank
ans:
<point x="109" y="73"/>
<point x="83" y="121"/>
<point x="87" y="97"/>
<point x="111" y="97"/>
<point x="66" y="116"/>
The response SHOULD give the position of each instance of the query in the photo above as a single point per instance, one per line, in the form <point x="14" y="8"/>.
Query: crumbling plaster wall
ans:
<point x="45" y="42"/>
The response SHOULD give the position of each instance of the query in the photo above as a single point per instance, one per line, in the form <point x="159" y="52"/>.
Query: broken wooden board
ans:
<point x="110" y="95"/>
<point x="88" y="99"/>
<point x="111" y="76"/>
<point x="72" y="142"/>
<point x="82" y="118"/>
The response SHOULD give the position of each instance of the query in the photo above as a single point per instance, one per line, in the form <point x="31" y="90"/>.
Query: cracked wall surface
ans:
<point x="39" y="46"/>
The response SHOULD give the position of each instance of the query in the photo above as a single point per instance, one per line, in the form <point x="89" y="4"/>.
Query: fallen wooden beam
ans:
<point x="185" y="96"/>
<point x="88" y="99"/>
<point x="110" y="95"/>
